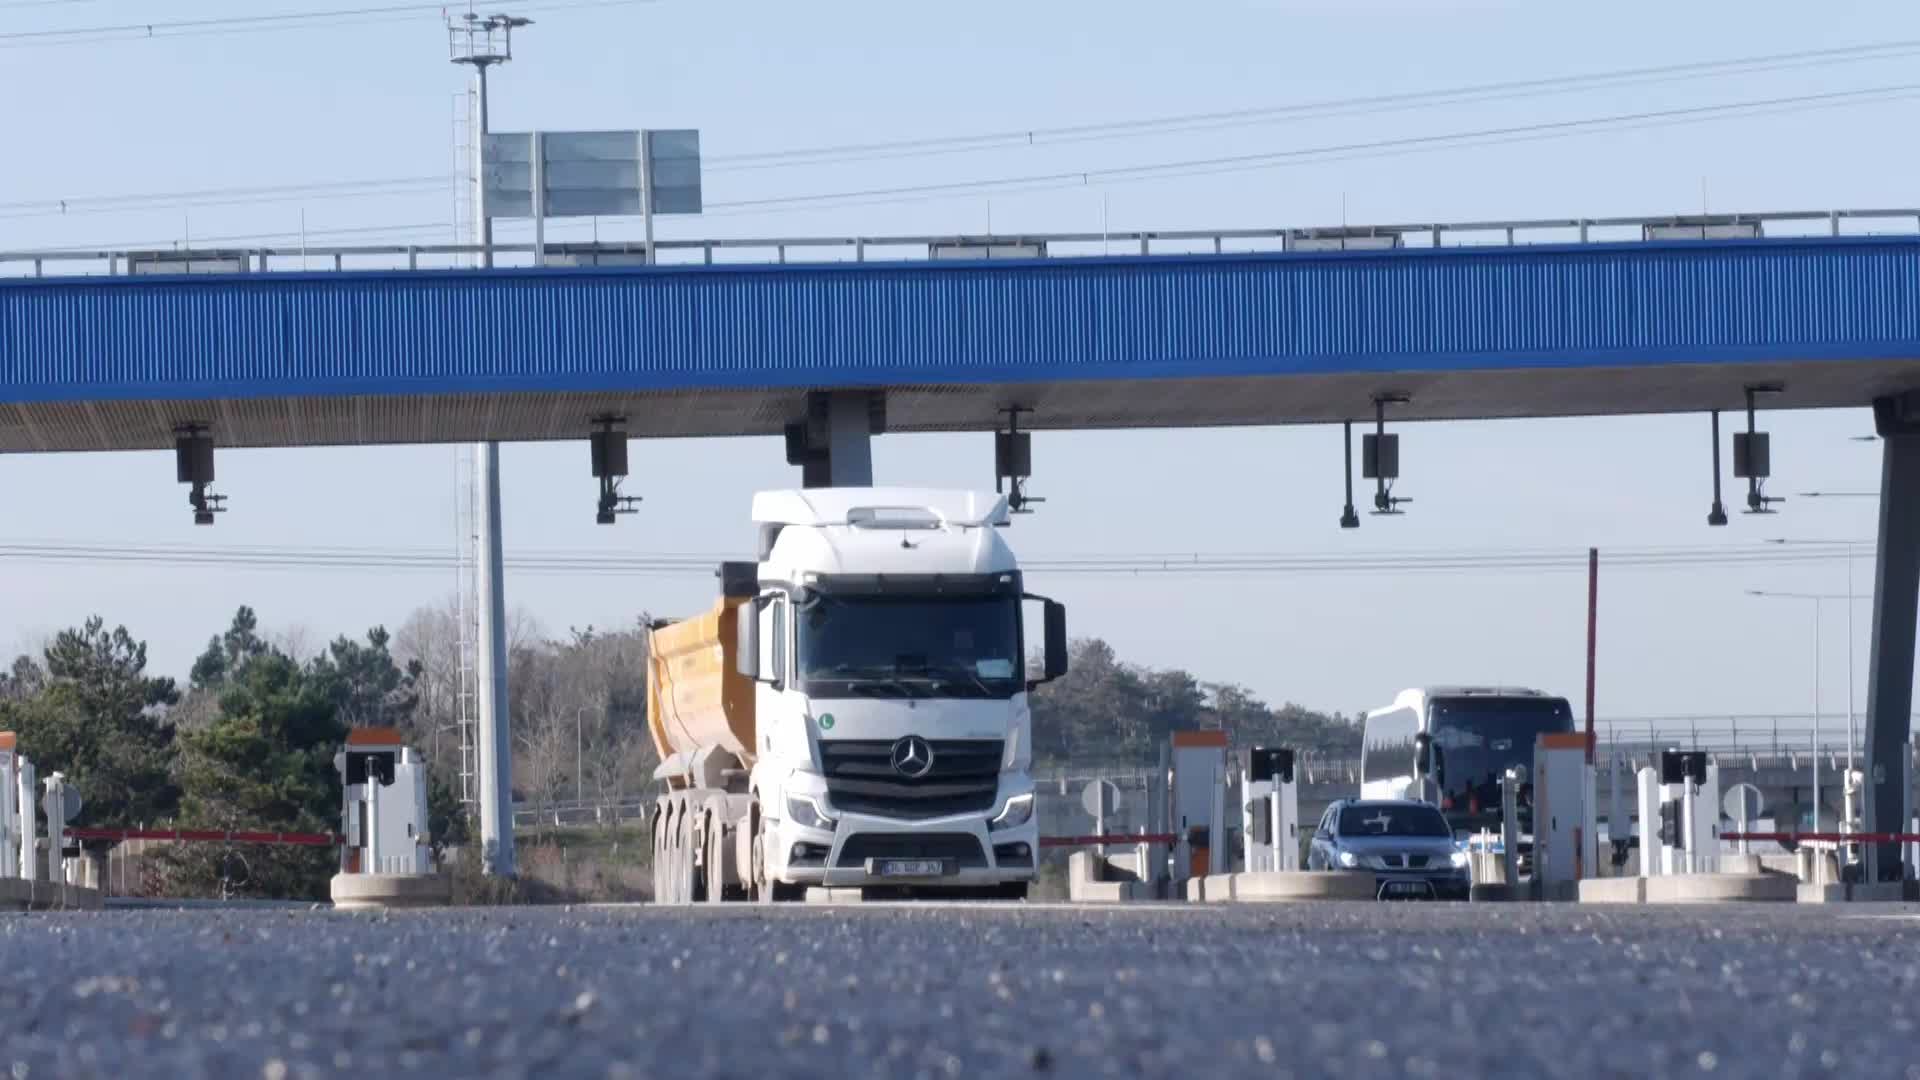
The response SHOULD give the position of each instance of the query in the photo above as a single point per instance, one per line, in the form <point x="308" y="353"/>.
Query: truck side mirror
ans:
<point x="1054" y="633"/>
<point x="1422" y="753"/>
<point x="1056" y="620"/>
<point x="746" y="654"/>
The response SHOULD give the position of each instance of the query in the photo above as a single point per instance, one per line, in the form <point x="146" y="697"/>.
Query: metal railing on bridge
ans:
<point x="236" y="255"/>
<point x="1774" y="737"/>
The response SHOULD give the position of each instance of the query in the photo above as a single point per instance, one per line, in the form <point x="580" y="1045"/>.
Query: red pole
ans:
<point x="1593" y="606"/>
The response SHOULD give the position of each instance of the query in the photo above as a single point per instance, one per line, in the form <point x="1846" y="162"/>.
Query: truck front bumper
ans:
<point x="970" y="854"/>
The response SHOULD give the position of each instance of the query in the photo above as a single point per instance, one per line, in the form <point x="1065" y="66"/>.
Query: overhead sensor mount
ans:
<point x="193" y="464"/>
<point x="1753" y="455"/>
<point x="1013" y="462"/>
<point x="1380" y="456"/>
<point x="608" y="441"/>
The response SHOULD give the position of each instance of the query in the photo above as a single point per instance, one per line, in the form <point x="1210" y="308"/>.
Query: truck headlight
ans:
<point x="1017" y="812"/>
<point x="805" y="811"/>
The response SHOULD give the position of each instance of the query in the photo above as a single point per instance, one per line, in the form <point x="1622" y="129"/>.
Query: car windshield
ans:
<point x="959" y="644"/>
<point x="1477" y="740"/>
<point x="1392" y="820"/>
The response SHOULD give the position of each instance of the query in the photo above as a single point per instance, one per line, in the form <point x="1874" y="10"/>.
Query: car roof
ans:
<point x="1356" y="804"/>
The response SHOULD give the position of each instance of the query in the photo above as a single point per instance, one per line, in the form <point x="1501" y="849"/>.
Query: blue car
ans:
<point x="1406" y="845"/>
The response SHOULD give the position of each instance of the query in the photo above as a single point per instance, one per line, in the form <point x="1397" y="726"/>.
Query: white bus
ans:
<point x="1449" y="746"/>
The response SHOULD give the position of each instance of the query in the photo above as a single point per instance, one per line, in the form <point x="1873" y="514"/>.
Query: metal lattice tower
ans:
<point x="466" y="606"/>
<point x="461" y="125"/>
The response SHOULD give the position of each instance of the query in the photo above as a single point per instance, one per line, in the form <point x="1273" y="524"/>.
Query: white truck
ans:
<point x="853" y="710"/>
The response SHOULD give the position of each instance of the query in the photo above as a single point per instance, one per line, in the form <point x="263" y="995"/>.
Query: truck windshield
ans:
<point x="1476" y="740"/>
<point x="943" y="646"/>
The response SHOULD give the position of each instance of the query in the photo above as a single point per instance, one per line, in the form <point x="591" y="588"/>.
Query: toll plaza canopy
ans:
<point x="290" y="358"/>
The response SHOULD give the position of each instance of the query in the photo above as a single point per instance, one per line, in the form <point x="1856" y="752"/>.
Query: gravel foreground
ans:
<point x="1347" y="990"/>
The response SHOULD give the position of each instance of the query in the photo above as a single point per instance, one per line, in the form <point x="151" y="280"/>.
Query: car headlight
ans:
<point x="1459" y="860"/>
<point x="1349" y="860"/>
<point x="1017" y="812"/>
<point x="805" y="811"/>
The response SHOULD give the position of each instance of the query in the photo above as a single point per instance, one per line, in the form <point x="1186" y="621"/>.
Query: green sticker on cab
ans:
<point x="826" y="721"/>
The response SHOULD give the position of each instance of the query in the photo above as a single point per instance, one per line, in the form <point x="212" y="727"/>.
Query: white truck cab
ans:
<point x="885" y="639"/>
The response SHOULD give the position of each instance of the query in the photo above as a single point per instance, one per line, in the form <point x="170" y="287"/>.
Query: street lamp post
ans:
<point x="1852" y="553"/>
<point x="579" y="759"/>
<point x="1818" y="600"/>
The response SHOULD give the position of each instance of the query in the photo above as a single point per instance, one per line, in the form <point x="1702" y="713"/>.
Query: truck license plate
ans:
<point x="909" y="868"/>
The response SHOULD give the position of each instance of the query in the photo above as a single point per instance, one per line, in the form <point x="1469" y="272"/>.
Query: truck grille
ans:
<point x="962" y="848"/>
<point x="964" y="779"/>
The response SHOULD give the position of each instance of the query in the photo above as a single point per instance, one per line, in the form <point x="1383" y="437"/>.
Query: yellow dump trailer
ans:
<point x="696" y="697"/>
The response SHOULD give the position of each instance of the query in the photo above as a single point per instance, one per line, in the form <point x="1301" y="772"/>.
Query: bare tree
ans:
<point x="296" y="641"/>
<point x="431" y="638"/>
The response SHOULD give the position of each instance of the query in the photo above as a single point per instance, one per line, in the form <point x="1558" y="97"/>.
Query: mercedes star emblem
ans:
<point x="912" y="757"/>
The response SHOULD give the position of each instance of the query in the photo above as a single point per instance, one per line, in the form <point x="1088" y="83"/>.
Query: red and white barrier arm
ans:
<point x="1116" y="840"/>
<point x="1829" y="837"/>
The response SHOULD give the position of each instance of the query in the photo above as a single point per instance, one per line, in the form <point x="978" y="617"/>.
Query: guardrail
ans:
<point x="580" y="812"/>
<point x="261" y="258"/>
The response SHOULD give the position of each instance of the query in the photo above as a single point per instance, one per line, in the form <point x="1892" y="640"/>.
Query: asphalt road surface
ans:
<point x="1348" y="990"/>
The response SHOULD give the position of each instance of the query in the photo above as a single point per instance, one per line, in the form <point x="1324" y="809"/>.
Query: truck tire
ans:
<point x="693" y="885"/>
<point x="765" y="889"/>
<point x="658" y="859"/>
<point x="676" y="852"/>
<point x="719" y="848"/>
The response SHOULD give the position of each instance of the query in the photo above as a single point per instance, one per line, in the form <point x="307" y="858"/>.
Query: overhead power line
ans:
<point x="1030" y="137"/>
<point x="157" y="29"/>
<point x="232" y="196"/>
<point x="1202" y="121"/>
<point x="1342" y="151"/>
<point x="1174" y="169"/>
<point x="1220" y="566"/>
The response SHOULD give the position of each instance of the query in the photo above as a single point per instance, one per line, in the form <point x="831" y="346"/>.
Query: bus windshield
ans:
<point x="1476" y="740"/>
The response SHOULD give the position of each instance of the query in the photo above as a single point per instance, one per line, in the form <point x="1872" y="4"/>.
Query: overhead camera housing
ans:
<point x="608" y="442"/>
<point x="1753" y="455"/>
<point x="1380" y="457"/>
<point x="193" y="465"/>
<point x="1013" y="462"/>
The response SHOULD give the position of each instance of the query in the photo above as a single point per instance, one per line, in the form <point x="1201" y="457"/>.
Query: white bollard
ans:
<point x="1706" y="846"/>
<point x="54" y="805"/>
<point x="1217" y="825"/>
<point x="371" y="802"/>
<point x="1651" y="855"/>
<point x="9" y="812"/>
<point x="1250" y="859"/>
<point x="1689" y="832"/>
<point x="1510" y="827"/>
<point x="1619" y="822"/>
<point x="1589" y="822"/>
<point x="1286" y="826"/>
<point x="26" y="794"/>
<point x="1913" y="857"/>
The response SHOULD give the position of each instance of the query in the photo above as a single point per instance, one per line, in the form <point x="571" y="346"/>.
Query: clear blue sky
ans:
<point x="375" y="100"/>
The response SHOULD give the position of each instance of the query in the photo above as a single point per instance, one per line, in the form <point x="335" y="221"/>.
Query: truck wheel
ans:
<point x="716" y="861"/>
<point x="670" y="854"/>
<point x="676" y="854"/>
<point x="693" y="885"/>
<point x="766" y="890"/>
<point x="659" y="858"/>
